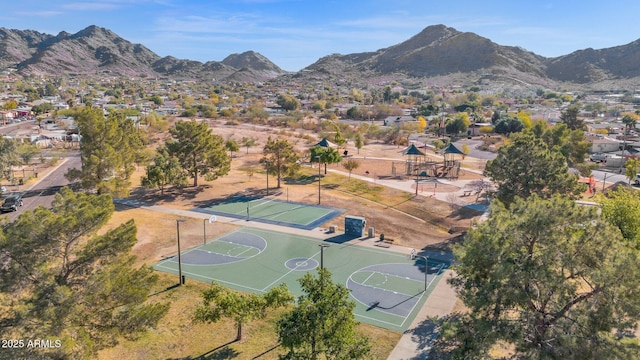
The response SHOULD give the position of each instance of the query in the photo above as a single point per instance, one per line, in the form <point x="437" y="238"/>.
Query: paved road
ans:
<point x="473" y="149"/>
<point x="610" y="177"/>
<point x="42" y="193"/>
<point x="12" y="129"/>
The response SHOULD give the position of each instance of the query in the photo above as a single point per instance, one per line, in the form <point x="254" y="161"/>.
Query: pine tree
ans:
<point x="62" y="281"/>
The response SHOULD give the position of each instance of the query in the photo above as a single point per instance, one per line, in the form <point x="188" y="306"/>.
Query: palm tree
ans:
<point x="629" y="120"/>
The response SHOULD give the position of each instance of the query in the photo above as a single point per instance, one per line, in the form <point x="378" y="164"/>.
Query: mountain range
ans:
<point x="437" y="51"/>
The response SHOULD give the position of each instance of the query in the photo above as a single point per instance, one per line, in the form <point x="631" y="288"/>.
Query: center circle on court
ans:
<point x="301" y="264"/>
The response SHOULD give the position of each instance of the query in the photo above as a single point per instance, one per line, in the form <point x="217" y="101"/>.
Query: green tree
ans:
<point x="355" y="112"/>
<point x="109" y="149"/>
<point x="322" y="324"/>
<point x="326" y="156"/>
<point x="459" y="124"/>
<point x="63" y="281"/>
<point x="339" y="139"/>
<point x="198" y="150"/>
<point x="570" y="117"/>
<point x="288" y="102"/>
<point x="257" y="111"/>
<point x="527" y="166"/>
<point x="358" y="141"/>
<point x="219" y="302"/>
<point x="165" y="170"/>
<point x="571" y="143"/>
<point x="631" y="168"/>
<point x="280" y="157"/>
<point x="629" y="120"/>
<point x="248" y="142"/>
<point x="549" y="278"/>
<point x="8" y="156"/>
<point x="27" y="152"/>
<point x="508" y="125"/>
<point x="42" y="108"/>
<point x="350" y="165"/>
<point x="232" y="146"/>
<point x="621" y="208"/>
<point x="10" y="105"/>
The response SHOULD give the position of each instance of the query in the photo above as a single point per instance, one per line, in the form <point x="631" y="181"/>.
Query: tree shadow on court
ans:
<point x="376" y="304"/>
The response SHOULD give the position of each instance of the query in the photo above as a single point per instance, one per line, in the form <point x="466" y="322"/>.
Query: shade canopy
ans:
<point x="412" y="150"/>
<point x="452" y="149"/>
<point x="325" y="143"/>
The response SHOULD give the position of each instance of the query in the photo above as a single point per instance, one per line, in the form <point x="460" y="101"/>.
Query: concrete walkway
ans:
<point x="416" y="342"/>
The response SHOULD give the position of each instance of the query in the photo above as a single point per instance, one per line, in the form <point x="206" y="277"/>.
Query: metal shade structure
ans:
<point x="413" y="150"/>
<point x="450" y="151"/>
<point x="325" y="143"/>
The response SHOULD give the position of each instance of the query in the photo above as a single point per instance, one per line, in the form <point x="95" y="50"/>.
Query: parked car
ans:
<point x="598" y="157"/>
<point x="11" y="203"/>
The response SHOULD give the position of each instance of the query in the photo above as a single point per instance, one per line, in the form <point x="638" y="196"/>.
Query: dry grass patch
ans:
<point x="157" y="232"/>
<point x="178" y="337"/>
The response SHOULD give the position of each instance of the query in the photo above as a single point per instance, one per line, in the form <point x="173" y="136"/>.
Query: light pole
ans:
<point x="267" y="167"/>
<point x="322" y="246"/>
<point x="180" y="278"/>
<point x="318" y="157"/>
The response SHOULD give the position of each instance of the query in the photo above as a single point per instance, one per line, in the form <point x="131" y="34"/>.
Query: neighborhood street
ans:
<point x="42" y="192"/>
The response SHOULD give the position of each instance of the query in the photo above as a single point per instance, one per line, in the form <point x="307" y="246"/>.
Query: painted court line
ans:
<point x="436" y="275"/>
<point x="380" y="321"/>
<point x="262" y="203"/>
<point x="412" y="309"/>
<point x="379" y="288"/>
<point x="211" y="279"/>
<point x="287" y="273"/>
<point x="401" y="277"/>
<point x="249" y="248"/>
<point x="204" y="265"/>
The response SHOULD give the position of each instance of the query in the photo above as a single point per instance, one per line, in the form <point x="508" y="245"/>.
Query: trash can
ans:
<point x="381" y="237"/>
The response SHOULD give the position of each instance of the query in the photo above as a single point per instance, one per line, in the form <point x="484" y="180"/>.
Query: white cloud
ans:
<point x="42" y="14"/>
<point x="91" y="6"/>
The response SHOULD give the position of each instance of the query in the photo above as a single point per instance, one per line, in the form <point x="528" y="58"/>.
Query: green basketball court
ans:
<point x="388" y="288"/>
<point x="273" y="211"/>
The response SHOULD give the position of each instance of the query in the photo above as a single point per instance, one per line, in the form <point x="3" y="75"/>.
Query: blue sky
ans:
<point x="295" y="33"/>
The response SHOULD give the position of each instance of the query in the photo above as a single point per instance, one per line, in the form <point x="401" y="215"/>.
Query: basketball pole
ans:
<point x="322" y="246"/>
<point x="426" y="269"/>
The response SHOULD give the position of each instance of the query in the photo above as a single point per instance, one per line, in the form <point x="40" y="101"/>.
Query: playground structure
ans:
<point x="419" y="165"/>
